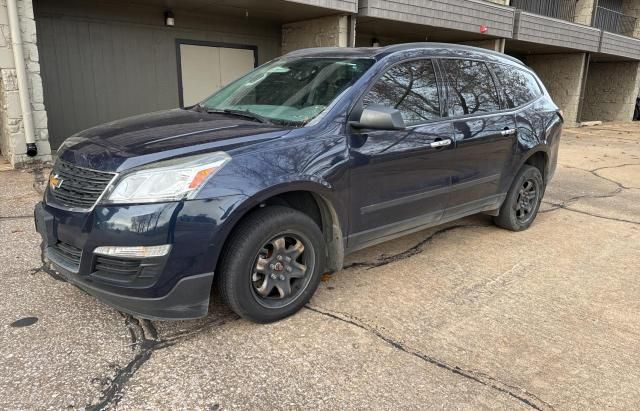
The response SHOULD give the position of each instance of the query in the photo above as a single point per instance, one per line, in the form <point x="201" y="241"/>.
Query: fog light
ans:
<point x="139" y="252"/>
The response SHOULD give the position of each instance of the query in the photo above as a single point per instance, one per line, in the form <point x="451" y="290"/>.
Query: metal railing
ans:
<point x="614" y="21"/>
<point x="559" y="9"/>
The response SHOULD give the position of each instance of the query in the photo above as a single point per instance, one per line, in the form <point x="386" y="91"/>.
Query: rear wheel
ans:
<point x="523" y="200"/>
<point x="272" y="263"/>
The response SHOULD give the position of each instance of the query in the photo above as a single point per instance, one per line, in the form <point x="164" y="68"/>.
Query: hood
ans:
<point x="135" y="141"/>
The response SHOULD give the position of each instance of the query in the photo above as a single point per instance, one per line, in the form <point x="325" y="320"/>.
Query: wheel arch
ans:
<point x="313" y="199"/>
<point x="537" y="157"/>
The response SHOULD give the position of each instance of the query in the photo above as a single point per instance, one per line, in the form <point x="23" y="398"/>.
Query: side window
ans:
<point x="471" y="88"/>
<point x="517" y="87"/>
<point x="409" y="87"/>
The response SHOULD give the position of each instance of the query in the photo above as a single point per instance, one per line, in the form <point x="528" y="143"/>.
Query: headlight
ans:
<point x="167" y="181"/>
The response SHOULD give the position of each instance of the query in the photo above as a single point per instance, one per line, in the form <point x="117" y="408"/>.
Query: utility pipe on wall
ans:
<point x="21" y="74"/>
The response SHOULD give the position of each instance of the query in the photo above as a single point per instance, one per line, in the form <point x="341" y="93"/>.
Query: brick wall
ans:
<point x="562" y="76"/>
<point x="331" y="31"/>
<point x="611" y="91"/>
<point x="12" y="137"/>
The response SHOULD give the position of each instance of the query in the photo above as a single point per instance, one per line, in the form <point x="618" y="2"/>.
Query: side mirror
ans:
<point x="380" y="117"/>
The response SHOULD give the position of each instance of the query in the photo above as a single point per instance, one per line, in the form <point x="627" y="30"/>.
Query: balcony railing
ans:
<point x="614" y="21"/>
<point x="559" y="9"/>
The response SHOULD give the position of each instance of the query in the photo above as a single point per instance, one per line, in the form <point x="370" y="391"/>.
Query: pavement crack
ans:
<point x="565" y="205"/>
<point x="15" y="217"/>
<point x="45" y="267"/>
<point x="595" y="173"/>
<point x="410" y="252"/>
<point x="562" y="206"/>
<point x="513" y="391"/>
<point x="144" y="342"/>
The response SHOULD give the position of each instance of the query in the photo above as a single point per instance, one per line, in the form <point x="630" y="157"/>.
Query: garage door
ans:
<point x="206" y="68"/>
<point x="99" y="71"/>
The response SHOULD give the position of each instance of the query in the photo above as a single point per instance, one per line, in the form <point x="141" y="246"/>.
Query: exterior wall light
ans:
<point x="169" y="18"/>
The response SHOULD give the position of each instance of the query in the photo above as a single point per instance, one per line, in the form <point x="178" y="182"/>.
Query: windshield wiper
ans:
<point x="241" y="113"/>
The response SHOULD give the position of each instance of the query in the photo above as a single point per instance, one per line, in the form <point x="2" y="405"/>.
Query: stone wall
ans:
<point x="611" y="91"/>
<point x="331" y="31"/>
<point x="632" y="8"/>
<point x="562" y="76"/>
<point x="12" y="137"/>
<point x="493" y="44"/>
<point x="584" y="10"/>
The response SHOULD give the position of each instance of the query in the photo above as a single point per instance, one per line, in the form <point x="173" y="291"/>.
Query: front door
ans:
<point x="485" y="138"/>
<point x="399" y="178"/>
<point x="207" y="67"/>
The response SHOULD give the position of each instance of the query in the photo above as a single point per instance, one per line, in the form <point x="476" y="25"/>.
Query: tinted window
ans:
<point x="471" y="88"/>
<point x="517" y="87"/>
<point x="411" y="88"/>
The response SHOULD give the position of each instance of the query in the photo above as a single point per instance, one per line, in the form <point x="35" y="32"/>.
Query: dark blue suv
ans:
<point x="271" y="181"/>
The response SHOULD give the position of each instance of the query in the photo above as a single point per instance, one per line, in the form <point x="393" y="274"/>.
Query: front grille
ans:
<point x="66" y="256"/>
<point x="78" y="187"/>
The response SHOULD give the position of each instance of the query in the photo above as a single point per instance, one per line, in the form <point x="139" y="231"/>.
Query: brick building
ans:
<point x="81" y="63"/>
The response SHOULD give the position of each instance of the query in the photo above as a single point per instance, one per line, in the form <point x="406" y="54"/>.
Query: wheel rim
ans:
<point x="527" y="200"/>
<point x="282" y="270"/>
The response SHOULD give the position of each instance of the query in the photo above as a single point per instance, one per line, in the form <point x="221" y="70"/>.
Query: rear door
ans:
<point x="485" y="137"/>
<point x="400" y="178"/>
<point x="520" y="92"/>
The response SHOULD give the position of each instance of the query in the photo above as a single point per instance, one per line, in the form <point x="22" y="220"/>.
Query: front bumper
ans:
<point x="178" y="287"/>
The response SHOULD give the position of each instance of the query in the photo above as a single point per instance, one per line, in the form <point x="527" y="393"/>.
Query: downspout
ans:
<point x="21" y="75"/>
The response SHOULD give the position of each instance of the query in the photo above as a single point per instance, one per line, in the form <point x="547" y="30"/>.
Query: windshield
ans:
<point x="289" y="92"/>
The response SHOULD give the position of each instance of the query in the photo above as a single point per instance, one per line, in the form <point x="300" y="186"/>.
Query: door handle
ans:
<point x="441" y="143"/>
<point x="508" y="131"/>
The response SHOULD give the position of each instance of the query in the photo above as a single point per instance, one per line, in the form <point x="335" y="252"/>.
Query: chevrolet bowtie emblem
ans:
<point x="55" y="181"/>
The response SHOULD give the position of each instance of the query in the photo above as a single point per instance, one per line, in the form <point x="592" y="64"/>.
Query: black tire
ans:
<point x="254" y="254"/>
<point x="523" y="200"/>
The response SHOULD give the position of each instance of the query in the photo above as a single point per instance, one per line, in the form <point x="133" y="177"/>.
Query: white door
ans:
<point x="205" y="69"/>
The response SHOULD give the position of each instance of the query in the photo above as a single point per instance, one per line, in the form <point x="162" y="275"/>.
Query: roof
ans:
<point x="440" y="49"/>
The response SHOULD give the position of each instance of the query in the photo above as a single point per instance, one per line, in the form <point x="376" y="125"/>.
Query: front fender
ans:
<point x="311" y="163"/>
<point x="330" y="209"/>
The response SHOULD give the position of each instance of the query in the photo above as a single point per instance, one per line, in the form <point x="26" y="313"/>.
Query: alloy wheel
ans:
<point x="282" y="270"/>
<point x="527" y="200"/>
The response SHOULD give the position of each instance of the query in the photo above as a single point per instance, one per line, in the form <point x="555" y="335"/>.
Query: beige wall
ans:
<point x="331" y="31"/>
<point x="611" y="91"/>
<point x="12" y="138"/>
<point x="562" y="76"/>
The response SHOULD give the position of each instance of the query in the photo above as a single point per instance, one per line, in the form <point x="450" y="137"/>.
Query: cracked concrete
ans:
<point x="461" y="316"/>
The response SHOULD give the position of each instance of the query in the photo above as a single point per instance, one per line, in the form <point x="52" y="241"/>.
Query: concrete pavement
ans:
<point x="461" y="316"/>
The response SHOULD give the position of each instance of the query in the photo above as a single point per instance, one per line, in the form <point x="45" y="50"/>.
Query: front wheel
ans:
<point x="272" y="263"/>
<point x="523" y="200"/>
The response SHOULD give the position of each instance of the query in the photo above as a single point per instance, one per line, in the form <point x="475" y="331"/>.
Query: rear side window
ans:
<point x="517" y="86"/>
<point x="411" y="88"/>
<point x="471" y="88"/>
